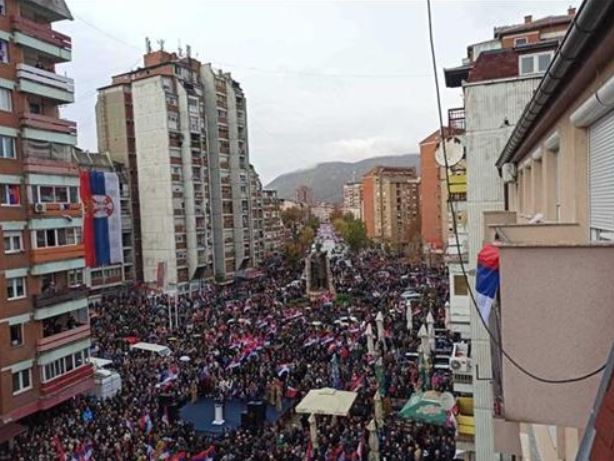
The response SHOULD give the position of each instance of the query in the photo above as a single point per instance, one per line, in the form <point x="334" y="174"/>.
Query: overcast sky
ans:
<point x="324" y="80"/>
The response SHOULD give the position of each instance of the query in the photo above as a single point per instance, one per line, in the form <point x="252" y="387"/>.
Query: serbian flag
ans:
<point x="102" y="227"/>
<point x="487" y="279"/>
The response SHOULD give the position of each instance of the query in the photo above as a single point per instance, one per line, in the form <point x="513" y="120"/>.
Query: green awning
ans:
<point x="425" y="407"/>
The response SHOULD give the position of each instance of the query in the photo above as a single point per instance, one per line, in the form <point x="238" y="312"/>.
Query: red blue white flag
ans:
<point x="102" y="227"/>
<point x="487" y="279"/>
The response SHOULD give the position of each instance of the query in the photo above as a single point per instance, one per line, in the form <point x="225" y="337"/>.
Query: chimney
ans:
<point x="571" y="11"/>
<point x="528" y="19"/>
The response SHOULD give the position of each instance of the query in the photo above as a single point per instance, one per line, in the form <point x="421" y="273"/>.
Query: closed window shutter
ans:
<point x="601" y="174"/>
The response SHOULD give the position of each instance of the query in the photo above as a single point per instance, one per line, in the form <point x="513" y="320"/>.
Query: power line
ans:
<point x="495" y="340"/>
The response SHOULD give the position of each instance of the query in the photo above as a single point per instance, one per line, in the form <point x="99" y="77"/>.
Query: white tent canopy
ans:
<point x="327" y="401"/>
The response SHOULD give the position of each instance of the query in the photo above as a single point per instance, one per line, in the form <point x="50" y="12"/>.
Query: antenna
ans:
<point x="161" y="44"/>
<point x="147" y="45"/>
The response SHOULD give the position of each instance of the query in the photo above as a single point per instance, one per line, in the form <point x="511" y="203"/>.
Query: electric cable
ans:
<point x="474" y="304"/>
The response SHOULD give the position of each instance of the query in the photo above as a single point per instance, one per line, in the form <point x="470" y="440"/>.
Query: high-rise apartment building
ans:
<point x="45" y="330"/>
<point x="256" y="237"/>
<point x="352" y="199"/>
<point x="226" y="115"/>
<point x="181" y="129"/>
<point x="106" y="277"/>
<point x="391" y="207"/>
<point x="273" y="226"/>
<point x="498" y="78"/>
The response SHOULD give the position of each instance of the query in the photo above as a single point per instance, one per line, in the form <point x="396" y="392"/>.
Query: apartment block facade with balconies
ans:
<point x="153" y="121"/>
<point x="44" y="329"/>
<point x="498" y="78"/>
<point x="101" y="279"/>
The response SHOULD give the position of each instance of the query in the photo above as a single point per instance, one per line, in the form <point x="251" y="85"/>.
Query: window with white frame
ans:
<point x="4" y="51"/>
<point x="13" y="242"/>
<point x="536" y="63"/>
<point x="55" y="194"/>
<point x="48" y="238"/>
<point x="65" y="365"/>
<point x="7" y="147"/>
<point x="6" y="103"/>
<point x="173" y="120"/>
<point x="15" y="288"/>
<point x="3" y="7"/>
<point x="10" y="195"/>
<point x="22" y="381"/>
<point x="16" y="334"/>
<point x="75" y="277"/>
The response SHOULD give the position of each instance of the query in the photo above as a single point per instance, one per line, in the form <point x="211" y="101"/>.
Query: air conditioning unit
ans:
<point x="460" y="365"/>
<point x="40" y="208"/>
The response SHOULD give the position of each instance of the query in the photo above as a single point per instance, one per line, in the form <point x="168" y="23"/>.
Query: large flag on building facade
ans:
<point x="102" y="226"/>
<point x="487" y="279"/>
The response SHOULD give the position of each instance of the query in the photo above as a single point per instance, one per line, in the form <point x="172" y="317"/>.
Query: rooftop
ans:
<point x="55" y="9"/>
<point x="530" y="25"/>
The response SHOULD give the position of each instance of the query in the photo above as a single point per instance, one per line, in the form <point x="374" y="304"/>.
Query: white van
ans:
<point x="162" y="351"/>
<point x="107" y="382"/>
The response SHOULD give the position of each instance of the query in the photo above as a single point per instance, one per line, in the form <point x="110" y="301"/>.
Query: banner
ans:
<point x="102" y="227"/>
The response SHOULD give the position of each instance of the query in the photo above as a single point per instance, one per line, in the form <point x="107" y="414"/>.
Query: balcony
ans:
<point x="456" y="118"/>
<point x="59" y="296"/>
<point x="59" y="253"/>
<point x="556" y="320"/>
<point x="70" y="384"/>
<point x="46" y="84"/>
<point x="65" y="337"/>
<point x="42" y="38"/>
<point x="46" y="157"/>
<point x="50" y="129"/>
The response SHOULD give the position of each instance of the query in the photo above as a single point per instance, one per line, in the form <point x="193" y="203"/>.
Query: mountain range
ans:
<point x="326" y="180"/>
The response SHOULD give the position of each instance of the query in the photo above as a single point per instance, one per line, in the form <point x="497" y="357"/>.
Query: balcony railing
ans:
<point x="43" y="122"/>
<point x="456" y="118"/>
<point x="65" y="337"/>
<point x="45" y="77"/>
<point x="59" y="296"/>
<point x="42" y="32"/>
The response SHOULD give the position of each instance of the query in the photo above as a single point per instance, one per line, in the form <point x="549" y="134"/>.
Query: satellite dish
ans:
<point x="454" y="151"/>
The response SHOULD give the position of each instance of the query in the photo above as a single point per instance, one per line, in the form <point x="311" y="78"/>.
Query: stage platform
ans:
<point x="201" y="413"/>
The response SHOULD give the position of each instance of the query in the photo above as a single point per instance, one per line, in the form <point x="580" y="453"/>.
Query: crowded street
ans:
<point x="259" y="339"/>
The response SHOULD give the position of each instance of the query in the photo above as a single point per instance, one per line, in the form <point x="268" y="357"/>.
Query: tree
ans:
<point x="356" y="235"/>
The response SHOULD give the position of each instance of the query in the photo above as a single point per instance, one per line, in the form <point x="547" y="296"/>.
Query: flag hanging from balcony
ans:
<point x="487" y="279"/>
<point x="102" y="229"/>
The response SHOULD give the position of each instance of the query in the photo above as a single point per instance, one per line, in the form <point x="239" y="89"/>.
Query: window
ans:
<point x="64" y="365"/>
<point x="55" y="194"/>
<point x="7" y="147"/>
<point x="16" y="333"/>
<point x="15" y="288"/>
<point x="10" y="195"/>
<point x="22" y="381"/>
<point x="13" y="242"/>
<point x="460" y="286"/>
<point x="520" y="41"/>
<point x="5" y="100"/>
<point x="4" y="50"/>
<point x="534" y="63"/>
<point x="57" y="237"/>
<point x="75" y="277"/>
<point x="3" y="7"/>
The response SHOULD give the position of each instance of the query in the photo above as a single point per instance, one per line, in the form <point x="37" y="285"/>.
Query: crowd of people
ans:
<point x="257" y="339"/>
